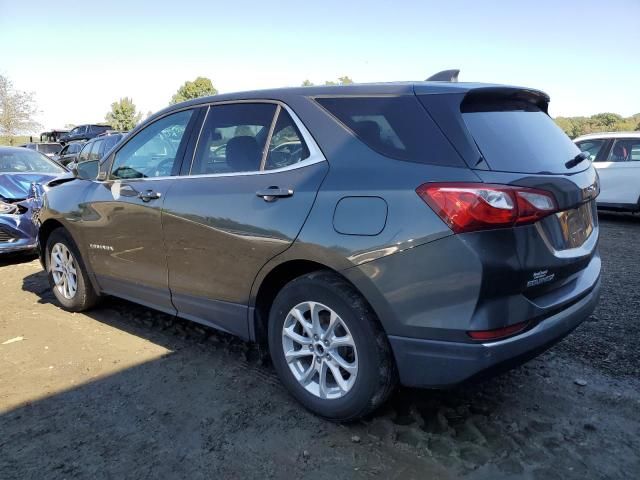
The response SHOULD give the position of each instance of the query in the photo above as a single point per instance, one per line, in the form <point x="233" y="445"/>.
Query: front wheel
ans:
<point x="328" y="347"/>
<point x="67" y="276"/>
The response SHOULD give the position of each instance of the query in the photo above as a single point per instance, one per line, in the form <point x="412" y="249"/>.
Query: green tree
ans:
<point x="346" y="80"/>
<point x="200" y="87"/>
<point x="606" y="120"/>
<point x="600" y="122"/>
<point x="341" y="81"/>
<point x="17" y="110"/>
<point x="123" y="115"/>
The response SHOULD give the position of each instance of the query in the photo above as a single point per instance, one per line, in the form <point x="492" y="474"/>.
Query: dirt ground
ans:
<point x="128" y="392"/>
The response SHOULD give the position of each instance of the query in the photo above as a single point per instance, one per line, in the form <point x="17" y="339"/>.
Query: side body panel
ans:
<point x="356" y="171"/>
<point x="619" y="183"/>
<point x="124" y="240"/>
<point x="219" y="234"/>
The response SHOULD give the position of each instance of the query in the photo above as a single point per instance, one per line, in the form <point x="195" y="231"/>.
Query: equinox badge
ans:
<point x="540" y="278"/>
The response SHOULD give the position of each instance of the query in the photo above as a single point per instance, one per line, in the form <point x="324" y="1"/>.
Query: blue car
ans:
<point x="24" y="175"/>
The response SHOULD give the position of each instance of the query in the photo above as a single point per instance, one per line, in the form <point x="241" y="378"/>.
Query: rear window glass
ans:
<point x="49" y="148"/>
<point x="397" y="127"/>
<point x="519" y="137"/>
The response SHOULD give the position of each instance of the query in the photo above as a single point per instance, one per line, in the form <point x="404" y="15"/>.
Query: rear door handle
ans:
<point x="148" y="195"/>
<point x="273" y="193"/>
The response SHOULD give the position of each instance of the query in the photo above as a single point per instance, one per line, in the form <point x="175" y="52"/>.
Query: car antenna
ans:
<point x="444" y="76"/>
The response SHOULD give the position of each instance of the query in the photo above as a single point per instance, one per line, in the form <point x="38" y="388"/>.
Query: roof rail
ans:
<point x="445" y="76"/>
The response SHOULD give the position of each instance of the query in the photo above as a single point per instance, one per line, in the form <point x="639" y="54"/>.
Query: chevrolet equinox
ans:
<point x="421" y="233"/>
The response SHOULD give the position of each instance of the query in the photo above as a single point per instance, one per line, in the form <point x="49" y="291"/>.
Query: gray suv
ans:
<point x="422" y="233"/>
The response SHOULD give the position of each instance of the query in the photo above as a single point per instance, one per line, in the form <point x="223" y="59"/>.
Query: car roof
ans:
<point x="604" y="135"/>
<point x="357" y="89"/>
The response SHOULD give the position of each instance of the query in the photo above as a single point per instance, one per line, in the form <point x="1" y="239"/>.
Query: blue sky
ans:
<point x="80" y="56"/>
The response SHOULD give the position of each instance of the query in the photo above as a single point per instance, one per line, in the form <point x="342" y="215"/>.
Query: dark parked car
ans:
<point x="96" y="148"/>
<point x="53" y="135"/>
<point x="21" y="171"/>
<point x="84" y="132"/>
<point x="424" y="232"/>
<point x="69" y="153"/>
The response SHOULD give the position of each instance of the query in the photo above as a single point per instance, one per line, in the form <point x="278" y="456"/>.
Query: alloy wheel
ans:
<point x="319" y="350"/>
<point x="64" y="270"/>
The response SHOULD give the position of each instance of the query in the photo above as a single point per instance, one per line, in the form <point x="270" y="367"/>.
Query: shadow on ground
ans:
<point x="7" y="259"/>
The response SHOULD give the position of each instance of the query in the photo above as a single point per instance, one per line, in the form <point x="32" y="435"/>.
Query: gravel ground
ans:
<point x="124" y="391"/>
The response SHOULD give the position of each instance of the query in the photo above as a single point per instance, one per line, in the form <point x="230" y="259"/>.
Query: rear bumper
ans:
<point x="434" y="363"/>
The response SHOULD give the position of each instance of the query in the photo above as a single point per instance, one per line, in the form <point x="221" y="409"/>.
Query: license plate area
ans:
<point x="576" y="225"/>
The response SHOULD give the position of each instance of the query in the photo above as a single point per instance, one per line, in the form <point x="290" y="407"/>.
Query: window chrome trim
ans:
<point x="265" y="149"/>
<point x="315" y="154"/>
<point x="195" y="148"/>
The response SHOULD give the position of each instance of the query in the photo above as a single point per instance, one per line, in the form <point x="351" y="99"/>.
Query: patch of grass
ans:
<point x="17" y="140"/>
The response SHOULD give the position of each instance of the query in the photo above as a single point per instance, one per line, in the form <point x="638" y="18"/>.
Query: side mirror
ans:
<point x="86" y="170"/>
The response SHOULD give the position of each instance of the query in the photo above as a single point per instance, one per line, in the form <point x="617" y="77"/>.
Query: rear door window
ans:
<point x="233" y="138"/>
<point x="287" y="146"/>
<point x="396" y="127"/>
<point x="519" y="137"/>
<point x="625" y="150"/>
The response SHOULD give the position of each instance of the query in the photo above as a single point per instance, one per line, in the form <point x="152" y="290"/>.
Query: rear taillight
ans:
<point x="467" y="207"/>
<point x="498" y="333"/>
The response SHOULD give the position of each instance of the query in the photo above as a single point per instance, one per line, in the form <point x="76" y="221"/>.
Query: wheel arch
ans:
<point x="267" y="289"/>
<point x="43" y="236"/>
<point x="45" y="231"/>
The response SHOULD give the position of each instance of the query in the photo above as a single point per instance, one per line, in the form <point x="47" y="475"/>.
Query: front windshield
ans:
<point x="21" y="160"/>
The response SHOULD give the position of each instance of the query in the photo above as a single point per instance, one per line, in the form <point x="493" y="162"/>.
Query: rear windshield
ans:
<point x="49" y="148"/>
<point x="396" y="127"/>
<point x="519" y="137"/>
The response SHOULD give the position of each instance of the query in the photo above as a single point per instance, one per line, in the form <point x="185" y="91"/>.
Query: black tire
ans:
<point x="85" y="296"/>
<point x="376" y="377"/>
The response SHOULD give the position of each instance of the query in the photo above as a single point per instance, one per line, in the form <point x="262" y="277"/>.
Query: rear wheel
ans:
<point x="67" y="276"/>
<point x="328" y="347"/>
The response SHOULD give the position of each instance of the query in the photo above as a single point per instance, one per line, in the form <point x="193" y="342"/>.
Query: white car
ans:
<point x="616" y="157"/>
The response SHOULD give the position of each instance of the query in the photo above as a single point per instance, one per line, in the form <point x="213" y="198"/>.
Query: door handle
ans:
<point x="148" y="195"/>
<point x="273" y="193"/>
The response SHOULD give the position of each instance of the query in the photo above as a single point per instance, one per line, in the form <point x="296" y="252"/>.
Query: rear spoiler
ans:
<point x="478" y="98"/>
<point x="444" y="76"/>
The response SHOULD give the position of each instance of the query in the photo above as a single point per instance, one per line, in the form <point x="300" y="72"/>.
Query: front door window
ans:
<point x="154" y="151"/>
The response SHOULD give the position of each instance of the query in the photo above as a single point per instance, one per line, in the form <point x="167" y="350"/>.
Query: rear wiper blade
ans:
<point x="582" y="156"/>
